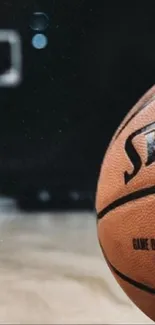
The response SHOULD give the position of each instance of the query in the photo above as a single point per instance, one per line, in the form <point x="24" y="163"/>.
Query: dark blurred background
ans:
<point x="89" y="64"/>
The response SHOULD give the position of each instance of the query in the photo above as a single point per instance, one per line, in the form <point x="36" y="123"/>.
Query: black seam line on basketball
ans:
<point x="133" y="115"/>
<point x="125" y="199"/>
<point x="124" y="277"/>
<point x="134" y="283"/>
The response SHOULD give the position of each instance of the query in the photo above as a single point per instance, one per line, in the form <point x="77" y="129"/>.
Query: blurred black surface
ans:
<point x="55" y="126"/>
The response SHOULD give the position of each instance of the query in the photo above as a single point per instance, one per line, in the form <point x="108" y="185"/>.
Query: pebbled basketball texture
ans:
<point x="125" y="204"/>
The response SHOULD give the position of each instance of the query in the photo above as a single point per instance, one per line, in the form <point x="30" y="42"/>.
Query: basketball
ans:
<point x="125" y="204"/>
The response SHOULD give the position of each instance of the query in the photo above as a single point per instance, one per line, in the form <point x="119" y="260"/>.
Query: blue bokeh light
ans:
<point x="39" y="41"/>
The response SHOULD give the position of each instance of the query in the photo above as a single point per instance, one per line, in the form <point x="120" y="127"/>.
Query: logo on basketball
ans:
<point x="133" y="155"/>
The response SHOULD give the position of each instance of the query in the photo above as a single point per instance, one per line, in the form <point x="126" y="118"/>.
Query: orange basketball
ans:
<point x="125" y="204"/>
